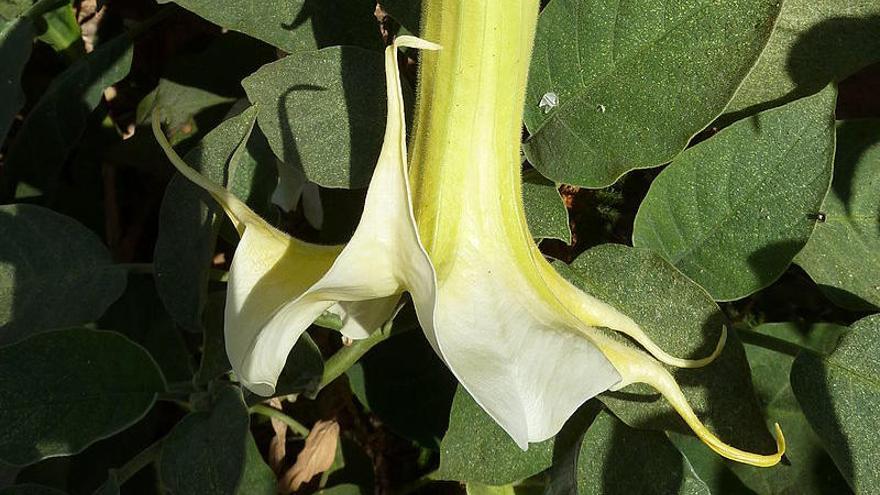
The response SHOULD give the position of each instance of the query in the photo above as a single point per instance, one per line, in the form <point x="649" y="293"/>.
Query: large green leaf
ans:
<point x="64" y="390"/>
<point x="140" y="316"/>
<point x="294" y="25"/>
<point x="808" y="469"/>
<point x="684" y="321"/>
<point x="616" y="459"/>
<point x="324" y="111"/>
<point x="236" y="155"/>
<point x="674" y="311"/>
<point x="815" y="42"/>
<point x="840" y="396"/>
<point x="207" y="452"/>
<point x="545" y="211"/>
<point x="197" y="90"/>
<point x="407" y="386"/>
<point x="476" y="449"/>
<point x="53" y="273"/>
<point x="635" y="81"/>
<point x="733" y="211"/>
<point x="16" y="40"/>
<point x="407" y="12"/>
<point x="256" y="478"/>
<point x="843" y="254"/>
<point x="53" y="127"/>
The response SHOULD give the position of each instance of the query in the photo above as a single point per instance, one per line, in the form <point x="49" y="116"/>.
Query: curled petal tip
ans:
<point x="699" y="363"/>
<point x="676" y="362"/>
<point x="734" y="454"/>
<point x="415" y="42"/>
<point x="634" y="366"/>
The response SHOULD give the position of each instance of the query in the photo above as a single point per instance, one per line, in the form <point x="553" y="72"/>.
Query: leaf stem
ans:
<point x="138" y="462"/>
<point x="416" y="484"/>
<point x="344" y="358"/>
<point x="271" y="412"/>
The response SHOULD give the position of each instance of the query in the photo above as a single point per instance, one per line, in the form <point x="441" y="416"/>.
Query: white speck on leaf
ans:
<point x="548" y="102"/>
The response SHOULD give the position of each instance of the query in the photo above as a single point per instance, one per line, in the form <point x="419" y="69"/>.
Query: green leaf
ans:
<point x="16" y="41"/>
<point x="188" y="225"/>
<point x="54" y="126"/>
<point x="189" y="219"/>
<point x="684" y="321"/>
<point x="674" y="311"/>
<point x="733" y="211"/>
<point x="302" y="371"/>
<point x="478" y="489"/>
<point x="407" y="386"/>
<point x="256" y="478"/>
<point x="10" y="9"/>
<point x="294" y="25"/>
<point x="60" y="30"/>
<point x="53" y="273"/>
<point x="815" y="42"/>
<point x="346" y="489"/>
<point x="475" y="449"/>
<point x="64" y="390"/>
<point x="197" y="89"/>
<point x="140" y="316"/>
<point x="208" y="450"/>
<point x="324" y="111"/>
<point x="635" y="82"/>
<point x="407" y="12"/>
<point x="545" y="211"/>
<point x="843" y="254"/>
<point x="840" y="395"/>
<point x="617" y="459"/>
<point x="214" y="362"/>
<point x="30" y="489"/>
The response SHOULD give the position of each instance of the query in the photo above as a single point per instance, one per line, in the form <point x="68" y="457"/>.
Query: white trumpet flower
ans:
<point x="450" y="229"/>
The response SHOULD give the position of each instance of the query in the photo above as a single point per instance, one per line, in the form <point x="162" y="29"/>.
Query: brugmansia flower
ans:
<point x="450" y="229"/>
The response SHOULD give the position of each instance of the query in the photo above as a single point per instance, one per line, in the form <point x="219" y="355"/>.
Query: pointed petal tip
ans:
<point x="676" y="362"/>
<point x="637" y="367"/>
<point x="415" y="42"/>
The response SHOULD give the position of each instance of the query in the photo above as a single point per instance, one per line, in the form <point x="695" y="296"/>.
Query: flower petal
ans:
<point x="637" y="367"/>
<point x="383" y="258"/>
<point x="519" y="355"/>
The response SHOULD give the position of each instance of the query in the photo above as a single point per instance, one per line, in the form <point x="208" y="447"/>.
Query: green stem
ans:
<point x="217" y="275"/>
<point x="769" y="342"/>
<point x="344" y="358"/>
<point x="138" y="462"/>
<point x="271" y="412"/>
<point x="416" y="484"/>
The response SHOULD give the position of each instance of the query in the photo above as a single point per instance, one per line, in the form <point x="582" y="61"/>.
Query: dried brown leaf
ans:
<point x="278" y="444"/>
<point x="316" y="457"/>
